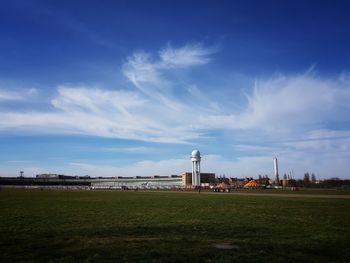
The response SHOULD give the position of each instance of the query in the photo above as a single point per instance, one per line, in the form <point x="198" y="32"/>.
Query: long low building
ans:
<point x="139" y="182"/>
<point x="154" y="182"/>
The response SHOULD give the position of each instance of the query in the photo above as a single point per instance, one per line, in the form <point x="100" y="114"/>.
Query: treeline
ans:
<point x="310" y="181"/>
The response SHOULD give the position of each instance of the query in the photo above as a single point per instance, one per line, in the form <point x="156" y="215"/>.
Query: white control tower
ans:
<point x="196" y="168"/>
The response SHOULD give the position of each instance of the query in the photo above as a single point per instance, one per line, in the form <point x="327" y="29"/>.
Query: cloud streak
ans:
<point x="17" y="94"/>
<point x="185" y="56"/>
<point x="290" y="103"/>
<point x="282" y="107"/>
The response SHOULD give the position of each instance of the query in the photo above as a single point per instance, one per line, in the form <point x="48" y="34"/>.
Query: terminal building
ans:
<point x="205" y="178"/>
<point x="152" y="182"/>
<point x="138" y="182"/>
<point x="112" y="183"/>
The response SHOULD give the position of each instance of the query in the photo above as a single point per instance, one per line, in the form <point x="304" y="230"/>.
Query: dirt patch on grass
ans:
<point x="224" y="246"/>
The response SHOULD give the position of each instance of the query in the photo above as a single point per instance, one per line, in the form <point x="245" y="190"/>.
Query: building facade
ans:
<point x="205" y="179"/>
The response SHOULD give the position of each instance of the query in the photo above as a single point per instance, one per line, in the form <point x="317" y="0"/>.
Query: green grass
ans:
<point x="112" y="226"/>
<point x="307" y="191"/>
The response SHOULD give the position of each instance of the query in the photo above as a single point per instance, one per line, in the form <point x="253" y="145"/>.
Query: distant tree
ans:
<point x="313" y="178"/>
<point x="285" y="176"/>
<point x="334" y="179"/>
<point x="265" y="180"/>
<point x="293" y="183"/>
<point x="335" y="183"/>
<point x="299" y="183"/>
<point x="306" y="179"/>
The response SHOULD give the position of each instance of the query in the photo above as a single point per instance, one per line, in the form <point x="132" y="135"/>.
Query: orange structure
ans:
<point x="252" y="184"/>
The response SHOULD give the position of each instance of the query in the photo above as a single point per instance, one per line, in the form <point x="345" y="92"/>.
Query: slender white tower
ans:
<point x="277" y="179"/>
<point x="196" y="168"/>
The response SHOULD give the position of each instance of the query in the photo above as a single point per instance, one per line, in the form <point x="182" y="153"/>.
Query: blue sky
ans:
<point x="110" y="88"/>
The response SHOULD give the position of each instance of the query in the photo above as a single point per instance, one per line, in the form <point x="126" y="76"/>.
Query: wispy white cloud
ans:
<point x="282" y="107"/>
<point x="139" y="69"/>
<point x="100" y="112"/>
<point x="253" y="148"/>
<point x="289" y="103"/>
<point x="151" y="112"/>
<point x="17" y="94"/>
<point x="131" y="150"/>
<point x="147" y="73"/>
<point x="185" y="56"/>
<point x="322" y="142"/>
<point x="19" y="161"/>
<point x="96" y="100"/>
<point x="296" y="101"/>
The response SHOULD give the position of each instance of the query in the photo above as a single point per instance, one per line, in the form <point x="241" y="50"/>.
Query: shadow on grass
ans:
<point x="182" y="243"/>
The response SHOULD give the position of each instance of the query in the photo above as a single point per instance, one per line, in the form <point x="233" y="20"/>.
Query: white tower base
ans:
<point x="196" y="168"/>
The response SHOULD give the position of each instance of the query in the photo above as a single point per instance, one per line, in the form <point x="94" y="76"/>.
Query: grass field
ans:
<point x="114" y="226"/>
<point x="303" y="191"/>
